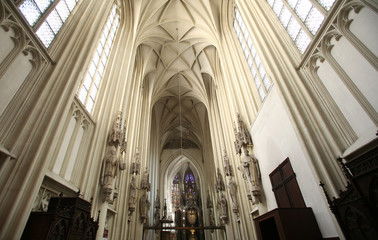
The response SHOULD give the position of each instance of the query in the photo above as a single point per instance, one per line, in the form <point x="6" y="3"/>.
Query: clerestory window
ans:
<point x="301" y="18"/>
<point x="261" y="80"/>
<point x="46" y="17"/>
<point x="89" y="86"/>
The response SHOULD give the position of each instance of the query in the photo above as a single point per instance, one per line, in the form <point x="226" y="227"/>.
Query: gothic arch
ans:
<point x="171" y="166"/>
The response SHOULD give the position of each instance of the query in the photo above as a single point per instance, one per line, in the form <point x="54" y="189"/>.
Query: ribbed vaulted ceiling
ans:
<point x="177" y="53"/>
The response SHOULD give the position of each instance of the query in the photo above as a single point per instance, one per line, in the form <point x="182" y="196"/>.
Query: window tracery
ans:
<point x="190" y="185"/>
<point x="259" y="75"/>
<point x="46" y="17"/>
<point x="301" y="18"/>
<point x="89" y="86"/>
<point x="175" y="192"/>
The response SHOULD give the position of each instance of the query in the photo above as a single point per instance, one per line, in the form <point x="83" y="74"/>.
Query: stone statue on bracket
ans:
<point x="116" y="134"/>
<point x="227" y="167"/>
<point x="121" y="165"/>
<point x="209" y="205"/>
<point x="232" y="190"/>
<point x="242" y="137"/>
<point x="251" y="173"/>
<point x="110" y="171"/>
<point x="113" y="162"/>
<point x="144" y="206"/>
<point x="219" y="182"/>
<point x="132" y="195"/>
<point x="135" y="166"/>
<point x="108" y="166"/>
<point x="245" y="166"/>
<point x="223" y="208"/>
<point x="123" y="144"/>
<point x="145" y="183"/>
<point x="157" y="209"/>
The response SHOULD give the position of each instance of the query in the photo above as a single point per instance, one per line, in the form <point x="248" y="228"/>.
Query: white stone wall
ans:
<point x="276" y="138"/>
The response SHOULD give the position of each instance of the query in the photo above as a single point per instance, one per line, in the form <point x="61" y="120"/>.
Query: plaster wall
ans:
<point x="63" y="148"/>
<point x="348" y="105"/>
<point x="364" y="28"/>
<point x="275" y="139"/>
<point x="360" y="77"/>
<point x="6" y="45"/>
<point x="13" y="79"/>
<point x="362" y="74"/>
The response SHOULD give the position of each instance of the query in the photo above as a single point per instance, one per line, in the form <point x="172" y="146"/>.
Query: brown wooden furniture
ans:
<point x="292" y="219"/>
<point x="287" y="224"/>
<point x="285" y="186"/>
<point x="356" y="209"/>
<point x="66" y="218"/>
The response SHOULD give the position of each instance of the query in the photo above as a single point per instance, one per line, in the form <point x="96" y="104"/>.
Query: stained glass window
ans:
<point x="88" y="88"/>
<point x="175" y="192"/>
<point x="301" y="18"/>
<point x="262" y="82"/>
<point x="189" y="184"/>
<point x="47" y="17"/>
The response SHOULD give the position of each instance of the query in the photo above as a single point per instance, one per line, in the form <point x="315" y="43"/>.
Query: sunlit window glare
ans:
<point x="87" y="91"/>
<point x="49" y="19"/>
<point x="261" y="80"/>
<point x="301" y="19"/>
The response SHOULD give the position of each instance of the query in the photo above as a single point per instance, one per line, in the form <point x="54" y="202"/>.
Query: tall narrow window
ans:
<point x="175" y="192"/>
<point x="301" y="18"/>
<point x="190" y="185"/>
<point x="46" y="17"/>
<point x="258" y="72"/>
<point x="88" y="88"/>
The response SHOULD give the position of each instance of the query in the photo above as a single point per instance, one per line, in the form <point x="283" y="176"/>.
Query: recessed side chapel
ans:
<point x="189" y="119"/>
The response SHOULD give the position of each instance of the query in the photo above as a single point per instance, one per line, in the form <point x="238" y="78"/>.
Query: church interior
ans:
<point x="189" y="119"/>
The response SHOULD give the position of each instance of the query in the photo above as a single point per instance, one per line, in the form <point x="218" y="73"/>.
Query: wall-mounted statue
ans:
<point x="144" y="206"/>
<point x="116" y="134"/>
<point x="251" y="173"/>
<point x="242" y="137"/>
<point x="121" y="165"/>
<point x="135" y="166"/>
<point x="223" y="208"/>
<point x="108" y="166"/>
<point x="123" y="144"/>
<point x="245" y="166"/>
<point x="132" y="195"/>
<point x="145" y="183"/>
<point x="112" y="163"/>
<point x="232" y="189"/>
<point x="228" y="171"/>
<point x="219" y="181"/>
<point x="209" y="205"/>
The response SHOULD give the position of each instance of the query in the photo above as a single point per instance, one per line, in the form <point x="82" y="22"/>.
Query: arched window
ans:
<point x="46" y="17"/>
<point x="175" y="192"/>
<point x="301" y="18"/>
<point x="88" y="88"/>
<point x="190" y="184"/>
<point x="258" y="72"/>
